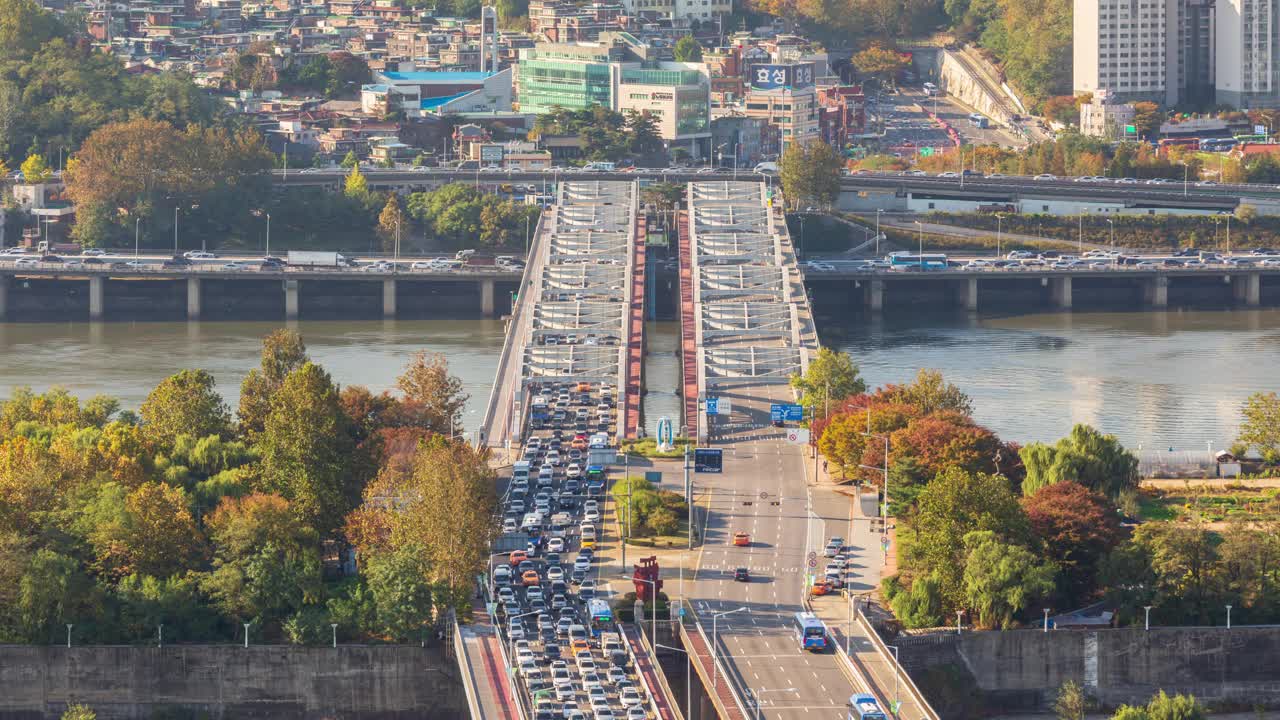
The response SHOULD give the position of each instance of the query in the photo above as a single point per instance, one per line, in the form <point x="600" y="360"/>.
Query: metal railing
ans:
<point x="732" y="680"/>
<point x="888" y="657"/>
<point x="464" y="663"/>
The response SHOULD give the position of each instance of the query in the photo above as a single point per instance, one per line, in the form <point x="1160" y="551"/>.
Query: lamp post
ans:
<point x="1228" y="617"/>
<point x="715" y="668"/>
<point x="1112" y="224"/>
<point x="999" y="227"/>
<point x="1046" y="620"/>
<point x="958" y="614"/>
<point x="334" y="627"/>
<point x="246" y="634"/>
<point x="1185" y="169"/>
<point x="137" y="230"/>
<point x="1228" y="232"/>
<point x="920" y="240"/>
<point x="267" y="215"/>
<point x="758" y="693"/>
<point x="160" y="635"/>
<point x="688" y="673"/>
<point x="1080" y="231"/>
<point x="897" y="702"/>
<point x="69" y="626"/>
<point x="878" y="211"/>
<point x="1147" y="622"/>
<point x="653" y="607"/>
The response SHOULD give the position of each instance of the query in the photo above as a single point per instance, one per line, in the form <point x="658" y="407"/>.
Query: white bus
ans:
<point x="930" y="89"/>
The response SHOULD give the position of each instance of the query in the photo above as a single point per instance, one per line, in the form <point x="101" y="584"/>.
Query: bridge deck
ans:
<point x="630" y="417"/>
<point x="485" y="669"/>
<point x="688" y="331"/>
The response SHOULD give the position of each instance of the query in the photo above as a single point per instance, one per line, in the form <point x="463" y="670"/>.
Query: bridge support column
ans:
<point x="193" y="298"/>
<point x="873" y="292"/>
<point x="1156" y="291"/>
<point x="97" y="296"/>
<point x="388" y="298"/>
<point x="291" y="299"/>
<point x="486" y="298"/>
<point x="967" y="294"/>
<point x="1060" y="292"/>
<point x="4" y="296"/>
<point x="1247" y="289"/>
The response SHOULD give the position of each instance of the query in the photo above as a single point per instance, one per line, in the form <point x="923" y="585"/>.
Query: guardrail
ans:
<point x="883" y="651"/>
<point x="468" y="678"/>
<point x="523" y="704"/>
<point x="662" y="679"/>
<point x="732" y="680"/>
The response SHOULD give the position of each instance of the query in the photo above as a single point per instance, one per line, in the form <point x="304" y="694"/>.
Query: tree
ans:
<point x="1146" y="119"/>
<point x="282" y="352"/>
<point x="1178" y="707"/>
<point x="79" y="712"/>
<point x="831" y="377"/>
<point x="186" y="403"/>
<point x="1260" y="425"/>
<point x="350" y="161"/>
<point x="1096" y="461"/>
<point x="842" y="441"/>
<point x="35" y="170"/>
<point x="921" y="606"/>
<point x="929" y="393"/>
<point x="389" y="224"/>
<point x="443" y="504"/>
<point x="1002" y="579"/>
<point x="687" y="49"/>
<point x="437" y="395"/>
<point x="941" y="441"/>
<point x="1071" y="703"/>
<point x="24" y="27"/>
<point x="1078" y="528"/>
<point x="881" y="62"/>
<point x="1183" y="560"/>
<point x="355" y="186"/>
<point x="1062" y="109"/>
<point x="810" y="173"/>
<point x="952" y="505"/>
<point x="1130" y="712"/>
<point x="307" y="449"/>
<point x="400" y="583"/>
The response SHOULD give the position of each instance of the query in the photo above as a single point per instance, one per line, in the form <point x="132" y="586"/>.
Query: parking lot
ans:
<point x="569" y="658"/>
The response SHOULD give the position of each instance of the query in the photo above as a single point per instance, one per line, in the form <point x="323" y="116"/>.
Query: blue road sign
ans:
<point x="713" y="406"/>
<point x="786" y="413"/>
<point x="708" y="460"/>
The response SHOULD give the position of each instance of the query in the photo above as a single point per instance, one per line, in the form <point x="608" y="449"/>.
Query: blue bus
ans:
<point x="865" y="707"/>
<point x="601" y="616"/>
<point x="595" y="478"/>
<point x="915" y="261"/>
<point x="810" y="632"/>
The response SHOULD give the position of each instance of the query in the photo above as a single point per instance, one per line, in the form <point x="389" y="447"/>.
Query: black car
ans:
<point x="92" y="261"/>
<point x="50" y="259"/>
<point x="552" y="652"/>
<point x="742" y="575"/>
<point x="177" y="261"/>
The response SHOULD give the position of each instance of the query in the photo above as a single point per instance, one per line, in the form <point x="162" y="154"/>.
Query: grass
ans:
<point x="679" y="539"/>
<point x="648" y="447"/>
<point x="1193" y="504"/>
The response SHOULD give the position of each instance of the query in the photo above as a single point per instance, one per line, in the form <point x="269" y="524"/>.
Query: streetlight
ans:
<point x="958" y="614"/>
<point x="175" y="229"/>
<point x="1046" y="620"/>
<point x="878" y="211"/>
<point x="264" y="213"/>
<point x="1112" y="223"/>
<point x="653" y="608"/>
<point x="1228" y="617"/>
<point x="160" y="635"/>
<point x="897" y="702"/>
<point x="1185" y="170"/>
<point x="1147" y="624"/>
<point x="920" y="239"/>
<point x="1080" y="231"/>
<point x="999" y="227"/>
<point x="715" y="668"/>
<point x="758" y="693"/>
<point x="334" y="627"/>
<point x="137" y="229"/>
<point x="688" y="670"/>
<point x="246" y="634"/>
<point x="69" y="626"/>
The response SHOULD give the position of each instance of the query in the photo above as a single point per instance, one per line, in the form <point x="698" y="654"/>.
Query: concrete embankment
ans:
<point x="227" y="681"/>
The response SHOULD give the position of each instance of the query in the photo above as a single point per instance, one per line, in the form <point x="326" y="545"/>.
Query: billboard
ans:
<point x="491" y="153"/>
<point x="794" y="76"/>
<point x="708" y="460"/>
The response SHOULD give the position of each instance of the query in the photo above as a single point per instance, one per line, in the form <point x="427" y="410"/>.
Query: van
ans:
<point x="588" y="536"/>
<point x="520" y="470"/>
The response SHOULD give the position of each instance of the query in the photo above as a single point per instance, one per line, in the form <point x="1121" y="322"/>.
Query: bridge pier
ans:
<point x="389" y="298"/>
<point x="193" y="298"/>
<point x="1247" y="289"/>
<point x="1156" y="291"/>
<point x="97" y="296"/>
<point x="1060" y="292"/>
<point x="873" y="291"/>
<point x="967" y="294"/>
<point x="291" y="299"/>
<point x="486" y="298"/>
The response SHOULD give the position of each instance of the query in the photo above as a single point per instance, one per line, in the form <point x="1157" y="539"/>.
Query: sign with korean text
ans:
<point x="491" y="153"/>
<point x="790" y="77"/>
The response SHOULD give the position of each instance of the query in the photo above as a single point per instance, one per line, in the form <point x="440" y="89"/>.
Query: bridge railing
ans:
<point x="891" y="661"/>
<point x="464" y="667"/>
<point x="663" y="686"/>
<point x="730" y="679"/>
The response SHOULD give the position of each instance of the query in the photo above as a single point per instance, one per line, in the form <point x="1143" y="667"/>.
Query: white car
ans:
<point x="631" y="697"/>
<point x="1045" y="176"/>
<point x="94" y="252"/>
<point x="426" y="265"/>
<point x="198" y="255"/>
<point x="978" y="264"/>
<point x="26" y="262"/>
<point x="573" y="471"/>
<point x="555" y="545"/>
<point x="233" y="267"/>
<point x="555" y="573"/>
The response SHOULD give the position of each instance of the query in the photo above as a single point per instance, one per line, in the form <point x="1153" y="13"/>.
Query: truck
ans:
<point x="315" y="259"/>
<point x="44" y="247"/>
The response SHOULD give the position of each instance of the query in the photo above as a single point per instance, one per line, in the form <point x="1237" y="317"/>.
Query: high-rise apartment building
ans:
<point x="1121" y="46"/>
<point x="1247" y="70"/>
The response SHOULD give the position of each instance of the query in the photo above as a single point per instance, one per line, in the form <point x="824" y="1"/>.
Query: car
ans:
<point x="574" y="470"/>
<point x="587" y="590"/>
<point x="94" y="252"/>
<point x="630" y="697"/>
<point x="562" y="627"/>
<point x="1045" y="176"/>
<point x="26" y="262"/>
<point x="820" y="587"/>
<point x="978" y="264"/>
<point x="233" y="267"/>
<point x="516" y="629"/>
<point x="564" y="691"/>
<point x="915" y="173"/>
<point x="1147" y="265"/>
<point x="533" y="592"/>
<point x="636" y="712"/>
<point x="741" y="539"/>
<point x="555" y="544"/>
<point x="742" y="574"/>
<point x="616" y="675"/>
<point x="568" y="709"/>
<point x="199" y="255"/>
<point x="948" y="174"/>
<point x="1206" y="183"/>
<point x="530" y="577"/>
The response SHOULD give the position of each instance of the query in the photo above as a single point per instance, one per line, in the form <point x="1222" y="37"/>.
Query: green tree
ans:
<point x="810" y="173"/>
<point x="307" y="449"/>
<point x="1002" y="579"/>
<point x="51" y="590"/>
<point x="1096" y="461"/>
<point x="1071" y="702"/>
<point x="1178" y="707"/>
<point x="350" y="161"/>
<point x="400" y="583"/>
<point x="929" y="393"/>
<point x="1147" y="119"/>
<point x="282" y="352"/>
<point x="1184" y="560"/>
<point x="186" y="403"/>
<point x="952" y="505"/>
<point x="35" y="170"/>
<point x="1129" y="712"/>
<point x="24" y="27"/>
<point x="1260" y="425"/>
<point x="687" y="49"/>
<point x="355" y="186"/>
<point x="921" y="606"/>
<point x="831" y="377"/>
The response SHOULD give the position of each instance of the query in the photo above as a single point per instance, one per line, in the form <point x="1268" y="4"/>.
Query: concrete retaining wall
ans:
<point x="277" y="682"/>
<point x="1025" y="668"/>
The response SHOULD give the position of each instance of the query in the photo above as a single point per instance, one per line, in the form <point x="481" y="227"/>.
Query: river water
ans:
<point x="1159" y="379"/>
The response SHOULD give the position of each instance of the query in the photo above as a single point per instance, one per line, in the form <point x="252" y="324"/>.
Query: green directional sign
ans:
<point x="1130" y="130"/>
<point x="926" y="151"/>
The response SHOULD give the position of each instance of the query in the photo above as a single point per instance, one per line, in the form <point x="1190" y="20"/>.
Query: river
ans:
<point x="1174" y="379"/>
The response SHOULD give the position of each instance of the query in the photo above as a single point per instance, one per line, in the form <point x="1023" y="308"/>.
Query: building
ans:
<point x="1121" y="46"/>
<point x="1104" y="118"/>
<point x="676" y="10"/>
<point x="784" y="96"/>
<point x="1247" y="56"/>
<point x="724" y="69"/>
<point x="415" y="92"/>
<point x="564" y="21"/>
<point x="618" y="73"/>
<point x="842" y="114"/>
<point x="1192" y="58"/>
<point x="741" y="137"/>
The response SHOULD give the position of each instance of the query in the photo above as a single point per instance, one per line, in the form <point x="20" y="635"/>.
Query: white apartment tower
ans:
<point x="1247" y="72"/>
<point x="1122" y="46"/>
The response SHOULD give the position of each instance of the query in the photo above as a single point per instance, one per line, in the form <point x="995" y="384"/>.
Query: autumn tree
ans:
<point x="79" y="712"/>
<point x="435" y="394"/>
<point x="355" y="186"/>
<point x="443" y="504"/>
<point x="186" y="403"/>
<point x="1260" y="426"/>
<point x="810" y="173"/>
<point x="307" y="449"/>
<point x="282" y="352"/>
<point x="1147" y="119"/>
<point x="1097" y="461"/>
<point x="943" y="440"/>
<point x="35" y="170"/>
<point x="881" y="62"/>
<point x="25" y="25"/>
<point x="1071" y="702"/>
<point x="389" y="224"/>
<point x="831" y="377"/>
<point x="1077" y="528"/>
<point x="148" y="531"/>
